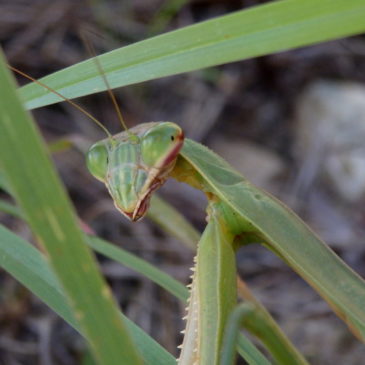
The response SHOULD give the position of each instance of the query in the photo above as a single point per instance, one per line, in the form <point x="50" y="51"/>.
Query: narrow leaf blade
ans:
<point x="257" y="31"/>
<point x="36" y="187"/>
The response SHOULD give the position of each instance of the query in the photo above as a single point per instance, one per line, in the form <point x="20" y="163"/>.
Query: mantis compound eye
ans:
<point x="161" y="144"/>
<point x="97" y="161"/>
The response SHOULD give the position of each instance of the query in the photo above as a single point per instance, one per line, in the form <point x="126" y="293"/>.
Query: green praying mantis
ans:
<point x="134" y="163"/>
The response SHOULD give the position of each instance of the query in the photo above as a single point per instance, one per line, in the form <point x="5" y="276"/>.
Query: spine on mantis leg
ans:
<point x="213" y="293"/>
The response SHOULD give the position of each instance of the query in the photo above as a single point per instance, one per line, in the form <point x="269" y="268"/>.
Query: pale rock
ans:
<point x="330" y="137"/>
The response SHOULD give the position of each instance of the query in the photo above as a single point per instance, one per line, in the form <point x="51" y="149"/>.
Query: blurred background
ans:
<point x="293" y="123"/>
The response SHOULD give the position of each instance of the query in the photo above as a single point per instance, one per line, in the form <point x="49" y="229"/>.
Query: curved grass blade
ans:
<point x="252" y="317"/>
<point x="11" y="209"/>
<point x="257" y="31"/>
<point x="258" y="321"/>
<point x="255" y="321"/>
<point x="231" y="332"/>
<point x="176" y="225"/>
<point x="139" y="265"/>
<point x="249" y="352"/>
<point x="36" y="187"/>
<point x="29" y="267"/>
<point x="285" y="234"/>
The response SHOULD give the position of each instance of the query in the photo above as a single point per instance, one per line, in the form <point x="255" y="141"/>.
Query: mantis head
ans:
<point x="133" y="164"/>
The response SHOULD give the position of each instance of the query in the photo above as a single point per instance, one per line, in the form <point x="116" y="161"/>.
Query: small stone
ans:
<point x="330" y="136"/>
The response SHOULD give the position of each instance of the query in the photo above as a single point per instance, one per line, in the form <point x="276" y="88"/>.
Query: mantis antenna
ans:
<point x="77" y="106"/>
<point x="91" y="51"/>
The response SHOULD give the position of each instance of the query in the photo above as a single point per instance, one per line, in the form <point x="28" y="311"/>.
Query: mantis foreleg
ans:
<point x="213" y="292"/>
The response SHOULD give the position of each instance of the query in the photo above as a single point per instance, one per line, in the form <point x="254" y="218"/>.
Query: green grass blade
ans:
<point x="141" y="266"/>
<point x="29" y="267"/>
<point x="11" y="209"/>
<point x="259" y="322"/>
<point x="286" y="235"/>
<point x="37" y="189"/>
<point x="231" y="337"/>
<point x="260" y="30"/>
<point x="250" y="353"/>
<point x="176" y="224"/>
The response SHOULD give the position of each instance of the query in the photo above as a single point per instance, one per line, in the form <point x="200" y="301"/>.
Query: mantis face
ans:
<point x="133" y="164"/>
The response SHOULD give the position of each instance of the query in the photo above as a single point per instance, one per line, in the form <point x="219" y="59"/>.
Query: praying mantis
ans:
<point x="238" y="213"/>
<point x="134" y="163"/>
<point x="132" y="167"/>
